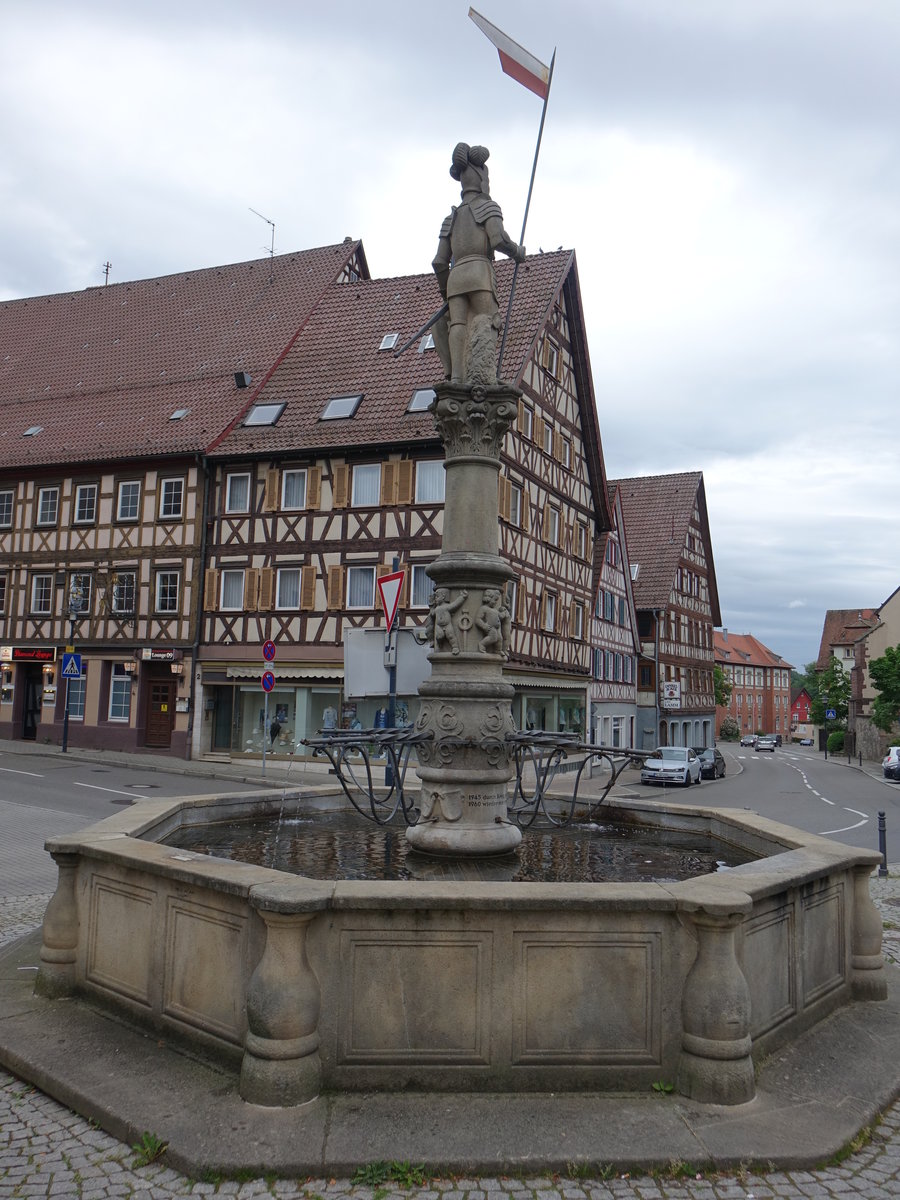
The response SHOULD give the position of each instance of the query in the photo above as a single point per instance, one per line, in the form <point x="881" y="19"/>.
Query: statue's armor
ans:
<point x="472" y="267"/>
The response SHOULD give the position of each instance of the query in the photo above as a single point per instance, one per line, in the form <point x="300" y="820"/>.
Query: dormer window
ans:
<point x="341" y="406"/>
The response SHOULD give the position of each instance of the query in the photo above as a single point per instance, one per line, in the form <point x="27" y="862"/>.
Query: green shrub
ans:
<point x="836" y="741"/>
<point x="729" y="730"/>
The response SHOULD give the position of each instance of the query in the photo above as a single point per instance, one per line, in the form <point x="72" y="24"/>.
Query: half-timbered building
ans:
<point x="333" y="476"/>
<point x="108" y="399"/>
<point x="677" y="605"/>
<point x="613" y="697"/>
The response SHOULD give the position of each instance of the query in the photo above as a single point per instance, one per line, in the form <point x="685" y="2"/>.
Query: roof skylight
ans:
<point x="33" y="431"/>
<point x="427" y="343"/>
<point x="421" y="400"/>
<point x="179" y="414"/>
<point x="264" y="414"/>
<point x="341" y="406"/>
<point x="389" y="341"/>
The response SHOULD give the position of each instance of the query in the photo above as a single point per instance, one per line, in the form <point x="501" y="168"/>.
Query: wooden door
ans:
<point x="160" y="712"/>
<point x="31" y="713"/>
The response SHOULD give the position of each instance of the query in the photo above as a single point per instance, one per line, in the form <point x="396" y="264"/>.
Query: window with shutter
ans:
<point x="521" y="602"/>
<point x="503" y="498"/>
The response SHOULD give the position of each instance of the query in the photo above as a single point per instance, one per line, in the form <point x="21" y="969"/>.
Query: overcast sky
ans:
<point x="727" y="171"/>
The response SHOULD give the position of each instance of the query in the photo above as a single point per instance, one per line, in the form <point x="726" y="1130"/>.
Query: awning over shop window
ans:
<point x="320" y="671"/>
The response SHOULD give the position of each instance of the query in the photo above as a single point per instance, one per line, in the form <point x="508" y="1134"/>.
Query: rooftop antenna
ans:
<point x="271" y="247"/>
<point x="107" y="267"/>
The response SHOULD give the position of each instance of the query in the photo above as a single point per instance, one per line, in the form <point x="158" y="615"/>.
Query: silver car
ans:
<point x="671" y="764"/>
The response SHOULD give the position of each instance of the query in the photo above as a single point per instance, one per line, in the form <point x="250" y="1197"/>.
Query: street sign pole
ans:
<point x="265" y="727"/>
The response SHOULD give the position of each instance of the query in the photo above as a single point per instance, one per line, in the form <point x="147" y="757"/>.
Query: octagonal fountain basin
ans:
<point x="465" y="983"/>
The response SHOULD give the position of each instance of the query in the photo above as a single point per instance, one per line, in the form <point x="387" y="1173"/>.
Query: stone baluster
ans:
<point x="867" y="976"/>
<point x="281" y="1064"/>
<point x="59" y="946"/>
<point x="716" y="1066"/>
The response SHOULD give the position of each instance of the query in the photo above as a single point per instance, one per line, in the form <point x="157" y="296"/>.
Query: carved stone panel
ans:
<point x="206" y="952"/>
<point x="121" y="927"/>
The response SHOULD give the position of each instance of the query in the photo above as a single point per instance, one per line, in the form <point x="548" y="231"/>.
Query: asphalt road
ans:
<point x="796" y="785"/>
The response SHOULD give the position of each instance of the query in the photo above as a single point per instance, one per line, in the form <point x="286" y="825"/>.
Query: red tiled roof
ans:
<point x="745" y="648"/>
<point x="102" y="370"/>
<point x="844" y="627"/>
<point x="658" y="511"/>
<point x="337" y="353"/>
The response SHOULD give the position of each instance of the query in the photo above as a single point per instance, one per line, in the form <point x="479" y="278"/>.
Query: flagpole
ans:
<point x="537" y="150"/>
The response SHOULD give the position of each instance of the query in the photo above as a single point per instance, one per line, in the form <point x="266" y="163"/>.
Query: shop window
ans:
<point x="430" y="478"/>
<point x="293" y="489"/>
<point x="171" y="499"/>
<point x="360" y="587"/>
<point x="366" y="485"/>
<point x="237" y="494"/>
<point x="119" y="693"/>
<point x="48" y="505"/>
<point x="86" y="504"/>
<point x="128" y="501"/>
<point x="167" y="591"/>
<point x="77" y="689"/>
<point x="287" y="594"/>
<point x="231" y="597"/>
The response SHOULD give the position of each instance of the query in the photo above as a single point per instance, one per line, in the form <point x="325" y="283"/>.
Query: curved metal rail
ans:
<point x="355" y="754"/>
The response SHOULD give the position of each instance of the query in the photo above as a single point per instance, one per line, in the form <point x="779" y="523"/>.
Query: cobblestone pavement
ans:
<point x="48" y="1151"/>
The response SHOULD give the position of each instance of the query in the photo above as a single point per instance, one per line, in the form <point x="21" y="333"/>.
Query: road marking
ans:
<point x="96" y="787"/>
<point x="857" y="813"/>
<point x="844" y="828"/>
<point x="10" y="771"/>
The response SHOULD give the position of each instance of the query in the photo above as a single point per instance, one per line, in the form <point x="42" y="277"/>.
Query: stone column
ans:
<point x="867" y="977"/>
<point x="281" y="1064"/>
<point x="466" y="769"/>
<point x="715" y="1065"/>
<point x="59" y="946"/>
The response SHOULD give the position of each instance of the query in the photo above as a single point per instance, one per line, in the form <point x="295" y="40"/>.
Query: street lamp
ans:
<point x="76" y="602"/>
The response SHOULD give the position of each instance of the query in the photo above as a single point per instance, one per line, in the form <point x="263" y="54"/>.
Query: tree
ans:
<point x="730" y="730"/>
<point x="885" y="674"/>
<point x="833" y="692"/>
<point x="722" y="686"/>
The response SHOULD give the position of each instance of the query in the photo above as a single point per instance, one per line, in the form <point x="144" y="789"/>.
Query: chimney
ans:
<point x="724" y="634"/>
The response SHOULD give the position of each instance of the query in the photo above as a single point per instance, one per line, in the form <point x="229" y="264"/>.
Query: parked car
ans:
<point x="749" y="739"/>
<point x="766" y="741"/>
<point x="806" y="741"/>
<point x="890" y="764"/>
<point x="712" y="764"/>
<point x="778" y="739"/>
<point x="671" y="764"/>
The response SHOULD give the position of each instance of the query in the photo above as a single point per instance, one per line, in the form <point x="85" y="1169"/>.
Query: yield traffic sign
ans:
<point x="389" y="587"/>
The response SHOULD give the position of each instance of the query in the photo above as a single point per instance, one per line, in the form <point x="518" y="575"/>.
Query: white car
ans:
<point x="891" y="763"/>
<point x="671" y="764"/>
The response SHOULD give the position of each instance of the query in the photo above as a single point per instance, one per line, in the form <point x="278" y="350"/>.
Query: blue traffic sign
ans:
<point x="269" y="650"/>
<point x="830" y="714"/>
<point x="71" y="666"/>
<point x="267" y="681"/>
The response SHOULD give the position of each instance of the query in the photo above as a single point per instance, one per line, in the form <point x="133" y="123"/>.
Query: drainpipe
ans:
<point x="203" y="466"/>
<point x="656" y="613"/>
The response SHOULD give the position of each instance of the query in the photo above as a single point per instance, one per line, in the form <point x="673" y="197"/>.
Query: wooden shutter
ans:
<point x="520" y="418"/>
<point x="266" y="587"/>
<point x="545" y="527"/>
<point x="526" y="510"/>
<point x="339" y="484"/>
<point x="388" y="482"/>
<point x="251" y="589"/>
<point x="335" y="587"/>
<point x="557" y="446"/>
<point x="505" y="498"/>
<point x="538" y="431"/>
<point x="545" y="352"/>
<point x="405" y="481"/>
<point x="313" y="487"/>
<point x="404" y="587"/>
<point x="308" y="576"/>
<point x="270" y="500"/>
<point x="520" y="602"/>
<point x="210" y="588"/>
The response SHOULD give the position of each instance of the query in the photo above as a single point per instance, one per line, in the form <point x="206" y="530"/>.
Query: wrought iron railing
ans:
<point x="357" y="755"/>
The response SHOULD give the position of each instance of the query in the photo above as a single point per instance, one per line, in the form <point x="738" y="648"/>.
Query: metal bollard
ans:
<point x="882" y="846"/>
<point x="860" y="758"/>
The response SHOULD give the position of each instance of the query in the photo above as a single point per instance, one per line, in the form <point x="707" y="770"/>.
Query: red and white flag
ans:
<point x="514" y="59"/>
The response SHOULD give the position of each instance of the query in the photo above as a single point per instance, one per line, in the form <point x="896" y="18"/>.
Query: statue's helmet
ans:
<point x="469" y="160"/>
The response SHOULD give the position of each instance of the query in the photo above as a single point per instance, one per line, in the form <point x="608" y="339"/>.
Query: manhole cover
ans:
<point x="99" y="771"/>
<point x="143" y="786"/>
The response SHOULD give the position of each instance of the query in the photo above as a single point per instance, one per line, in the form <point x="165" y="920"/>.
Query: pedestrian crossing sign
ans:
<point x="71" y="666"/>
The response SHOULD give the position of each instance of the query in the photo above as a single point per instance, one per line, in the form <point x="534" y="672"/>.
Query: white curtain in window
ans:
<point x="367" y="484"/>
<point x="288" y="588"/>
<point x="294" y="489"/>
<point x="430" y="478"/>
<point x="232" y="589"/>
<point x="238" y="493"/>
<point x="360" y="587"/>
